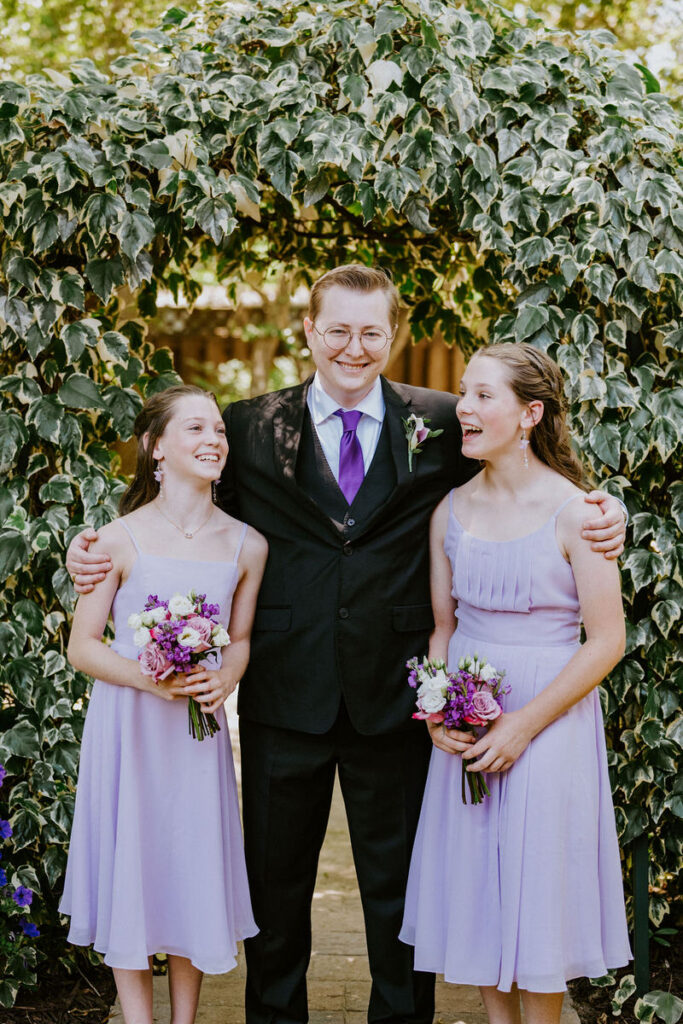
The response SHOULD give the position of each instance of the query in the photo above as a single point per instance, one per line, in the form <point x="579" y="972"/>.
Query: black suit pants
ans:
<point x="287" y="782"/>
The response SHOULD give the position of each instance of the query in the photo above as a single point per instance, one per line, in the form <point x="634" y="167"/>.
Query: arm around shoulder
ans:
<point x="598" y="587"/>
<point x="86" y="652"/>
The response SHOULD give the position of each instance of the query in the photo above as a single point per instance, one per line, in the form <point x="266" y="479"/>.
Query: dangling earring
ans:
<point x="159" y="477"/>
<point x="524" y="444"/>
<point x="214" y="492"/>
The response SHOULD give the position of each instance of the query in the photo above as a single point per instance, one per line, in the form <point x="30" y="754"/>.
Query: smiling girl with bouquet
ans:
<point x="522" y="891"/>
<point x="156" y="863"/>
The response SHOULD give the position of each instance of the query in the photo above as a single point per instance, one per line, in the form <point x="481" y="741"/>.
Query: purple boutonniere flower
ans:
<point x="417" y="432"/>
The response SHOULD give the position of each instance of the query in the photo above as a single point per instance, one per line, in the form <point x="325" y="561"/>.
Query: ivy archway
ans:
<point x="520" y="183"/>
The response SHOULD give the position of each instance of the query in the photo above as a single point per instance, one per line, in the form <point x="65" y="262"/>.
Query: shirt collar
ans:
<point x="321" y="406"/>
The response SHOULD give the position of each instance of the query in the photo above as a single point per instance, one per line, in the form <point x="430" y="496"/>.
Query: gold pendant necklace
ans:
<point x="189" y="534"/>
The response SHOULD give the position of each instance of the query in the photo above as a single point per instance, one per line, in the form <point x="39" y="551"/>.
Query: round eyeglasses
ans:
<point x="337" y="337"/>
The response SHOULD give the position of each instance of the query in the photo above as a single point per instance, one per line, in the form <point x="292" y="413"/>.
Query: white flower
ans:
<point x="430" y="697"/>
<point x="189" y="637"/>
<point x="179" y="605"/>
<point x="141" y="637"/>
<point x="158" y="614"/>
<point x="440" y="680"/>
<point x="487" y="673"/>
<point x="148" y="619"/>
<point x="220" y="637"/>
<point x="382" y="73"/>
<point x="135" y="621"/>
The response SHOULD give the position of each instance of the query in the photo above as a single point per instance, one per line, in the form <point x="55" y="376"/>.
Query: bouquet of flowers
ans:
<point x="173" y="636"/>
<point x="467" y="699"/>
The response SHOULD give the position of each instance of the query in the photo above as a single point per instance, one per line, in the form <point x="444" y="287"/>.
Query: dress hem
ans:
<point x="122" y="962"/>
<point x="523" y="984"/>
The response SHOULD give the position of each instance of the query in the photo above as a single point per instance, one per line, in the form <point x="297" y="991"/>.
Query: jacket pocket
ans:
<point x="410" y="617"/>
<point x="276" y="620"/>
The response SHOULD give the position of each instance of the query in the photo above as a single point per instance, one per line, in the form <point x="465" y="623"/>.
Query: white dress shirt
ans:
<point x="330" y="427"/>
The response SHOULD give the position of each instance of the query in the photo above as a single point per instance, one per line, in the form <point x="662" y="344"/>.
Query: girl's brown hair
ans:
<point x="150" y="424"/>
<point x="357" y="278"/>
<point x="535" y="377"/>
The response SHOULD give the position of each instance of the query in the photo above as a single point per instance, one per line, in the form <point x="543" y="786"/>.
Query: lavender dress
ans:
<point x="156" y="863"/>
<point x="525" y="888"/>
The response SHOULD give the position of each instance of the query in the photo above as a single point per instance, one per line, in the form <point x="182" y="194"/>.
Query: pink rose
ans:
<point x="484" y="708"/>
<point x="424" y="716"/>
<point x="153" y="662"/>
<point x="202" y="626"/>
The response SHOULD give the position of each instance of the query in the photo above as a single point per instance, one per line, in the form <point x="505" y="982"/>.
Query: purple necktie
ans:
<point x="351" y="468"/>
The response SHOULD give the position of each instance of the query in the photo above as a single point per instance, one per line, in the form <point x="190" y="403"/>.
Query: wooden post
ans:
<point x="641" y="916"/>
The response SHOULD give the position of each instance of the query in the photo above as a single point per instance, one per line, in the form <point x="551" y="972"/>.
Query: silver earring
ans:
<point x="214" y="492"/>
<point x="524" y="444"/>
<point x="159" y="477"/>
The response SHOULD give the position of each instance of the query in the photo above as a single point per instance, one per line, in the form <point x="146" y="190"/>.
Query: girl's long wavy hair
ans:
<point x="535" y="377"/>
<point x="150" y="424"/>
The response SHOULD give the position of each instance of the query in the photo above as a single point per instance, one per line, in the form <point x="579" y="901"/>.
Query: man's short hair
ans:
<point x="357" y="278"/>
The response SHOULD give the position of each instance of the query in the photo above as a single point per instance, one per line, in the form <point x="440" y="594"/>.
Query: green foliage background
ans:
<point x="507" y="175"/>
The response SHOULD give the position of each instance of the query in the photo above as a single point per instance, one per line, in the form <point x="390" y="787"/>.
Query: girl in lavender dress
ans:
<point x="522" y="892"/>
<point x="156" y="862"/>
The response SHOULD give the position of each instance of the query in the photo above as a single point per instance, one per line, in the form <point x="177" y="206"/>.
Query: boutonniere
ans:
<point x="417" y="432"/>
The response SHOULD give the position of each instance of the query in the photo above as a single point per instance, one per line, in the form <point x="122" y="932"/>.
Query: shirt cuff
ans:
<point x="623" y="509"/>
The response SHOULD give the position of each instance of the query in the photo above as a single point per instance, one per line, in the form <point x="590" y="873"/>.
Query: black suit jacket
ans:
<point x="342" y="606"/>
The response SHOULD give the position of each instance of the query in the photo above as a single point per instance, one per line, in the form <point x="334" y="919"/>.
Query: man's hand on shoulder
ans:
<point x="86" y="568"/>
<point x="605" y="532"/>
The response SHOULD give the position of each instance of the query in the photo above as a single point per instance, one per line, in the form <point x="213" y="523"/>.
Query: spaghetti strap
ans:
<point x="240" y="543"/>
<point x="566" y="502"/>
<point x="131" y="535"/>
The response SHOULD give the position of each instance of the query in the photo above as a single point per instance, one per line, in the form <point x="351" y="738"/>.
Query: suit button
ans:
<point x="343" y="613"/>
<point x="350" y="522"/>
<point x="348" y="548"/>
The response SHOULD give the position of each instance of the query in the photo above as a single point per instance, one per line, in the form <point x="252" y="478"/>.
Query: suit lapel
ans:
<point x="288" y="421"/>
<point x="398" y="409"/>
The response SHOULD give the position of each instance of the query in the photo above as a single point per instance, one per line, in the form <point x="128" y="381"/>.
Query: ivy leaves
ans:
<point x="521" y="186"/>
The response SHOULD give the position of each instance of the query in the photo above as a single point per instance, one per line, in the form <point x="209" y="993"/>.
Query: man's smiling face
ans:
<point x="347" y="375"/>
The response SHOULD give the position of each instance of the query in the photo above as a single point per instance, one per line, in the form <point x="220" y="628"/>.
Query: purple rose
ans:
<point x="153" y="662"/>
<point x="483" y="708"/>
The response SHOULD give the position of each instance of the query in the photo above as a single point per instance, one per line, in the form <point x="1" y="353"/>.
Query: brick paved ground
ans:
<point x="338" y="978"/>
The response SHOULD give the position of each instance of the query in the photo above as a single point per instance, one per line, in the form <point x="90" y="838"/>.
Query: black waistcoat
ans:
<point x="313" y="474"/>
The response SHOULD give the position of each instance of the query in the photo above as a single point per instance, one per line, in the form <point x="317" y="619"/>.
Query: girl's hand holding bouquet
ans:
<point x="467" y="699"/>
<point x="174" y="637"/>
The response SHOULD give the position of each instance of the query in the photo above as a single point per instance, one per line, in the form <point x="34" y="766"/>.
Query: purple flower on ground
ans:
<point x="5" y="829"/>
<point x="22" y="896"/>
<point x="28" y="928"/>
<point x="3" y="773"/>
<point x="3" y="878"/>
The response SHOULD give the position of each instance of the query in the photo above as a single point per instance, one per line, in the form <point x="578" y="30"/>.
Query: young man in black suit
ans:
<point x="343" y="605"/>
